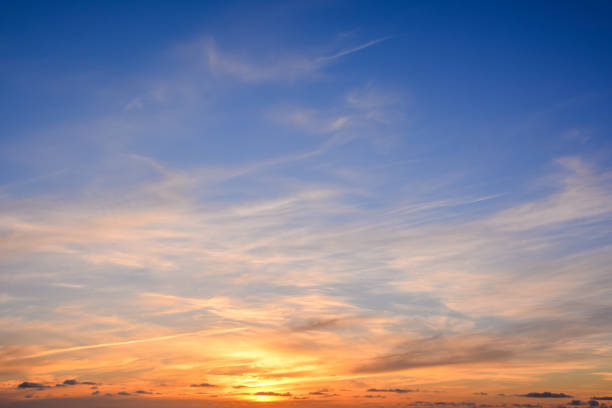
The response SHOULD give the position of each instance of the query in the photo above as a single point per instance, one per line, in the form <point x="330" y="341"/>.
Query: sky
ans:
<point x="297" y="204"/>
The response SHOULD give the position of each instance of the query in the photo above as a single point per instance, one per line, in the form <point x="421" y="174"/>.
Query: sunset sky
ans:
<point x="304" y="204"/>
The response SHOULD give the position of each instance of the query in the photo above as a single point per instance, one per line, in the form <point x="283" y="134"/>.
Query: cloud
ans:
<point x="28" y="384"/>
<point x="202" y="385"/>
<point x="311" y="120"/>
<point x="602" y="398"/>
<point x="285" y="67"/>
<point x="273" y="394"/>
<point x="135" y="103"/>
<point x="527" y="405"/>
<point x="376" y="104"/>
<point x="318" y="325"/>
<point x="546" y="395"/>
<point x="68" y="285"/>
<point x="123" y="393"/>
<point x="143" y="392"/>
<point x="126" y="342"/>
<point x="353" y="50"/>
<point x="323" y="393"/>
<point x="583" y="196"/>
<point x="427" y="353"/>
<point x="395" y="390"/>
<point x="301" y="257"/>
<point x="445" y="404"/>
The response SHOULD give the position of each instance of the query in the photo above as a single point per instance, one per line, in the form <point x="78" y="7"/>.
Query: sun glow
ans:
<point x="264" y="398"/>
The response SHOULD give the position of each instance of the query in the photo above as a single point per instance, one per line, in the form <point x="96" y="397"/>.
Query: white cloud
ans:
<point x="582" y="196"/>
<point x="282" y="68"/>
<point x="353" y="50"/>
<point x="135" y="103"/>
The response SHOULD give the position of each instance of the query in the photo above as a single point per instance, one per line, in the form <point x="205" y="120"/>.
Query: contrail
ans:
<point x="352" y="50"/>
<point x="122" y="343"/>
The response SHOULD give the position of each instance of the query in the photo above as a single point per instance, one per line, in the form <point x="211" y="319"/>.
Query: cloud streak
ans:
<point x="129" y="342"/>
<point x="354" y="49"/>
<point x="289" y="67"/>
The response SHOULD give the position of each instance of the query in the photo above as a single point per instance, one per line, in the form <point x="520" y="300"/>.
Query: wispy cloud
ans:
<point x="270" y="244"/>
<point x="353" y="50"/>
<point x="314" y="278"/>
<point x="285" y="67"/>
<point x="127" y="342"/>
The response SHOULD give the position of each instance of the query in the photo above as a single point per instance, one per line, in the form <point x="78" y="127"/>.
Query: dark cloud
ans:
<point x="481" y="393"/>
<point x="28" y="384"/>
<point x="323" y="393"/>
<point x="427" y="353"/>
<point x="273" y="394"/>
<point x="593" y="403"/>
<point x="123" y="393"/>
<point x="240" y="386"/>
<point x="576" y="402"/>
<point x="70" y="382"/>
<point x="317" y="325"/>
<point x="396" y="390"/>
<point x="319" y="392"/>
<point x="95" y="393"/>
<point x="203" y="385"/>
<point x="545" y="395"/>
<point x="143" y="392"/>
<point x="602" y="398"/>
<point x="443" y="404"/>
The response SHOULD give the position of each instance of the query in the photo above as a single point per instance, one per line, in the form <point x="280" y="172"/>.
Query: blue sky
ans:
<point x="342" y="175"/>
